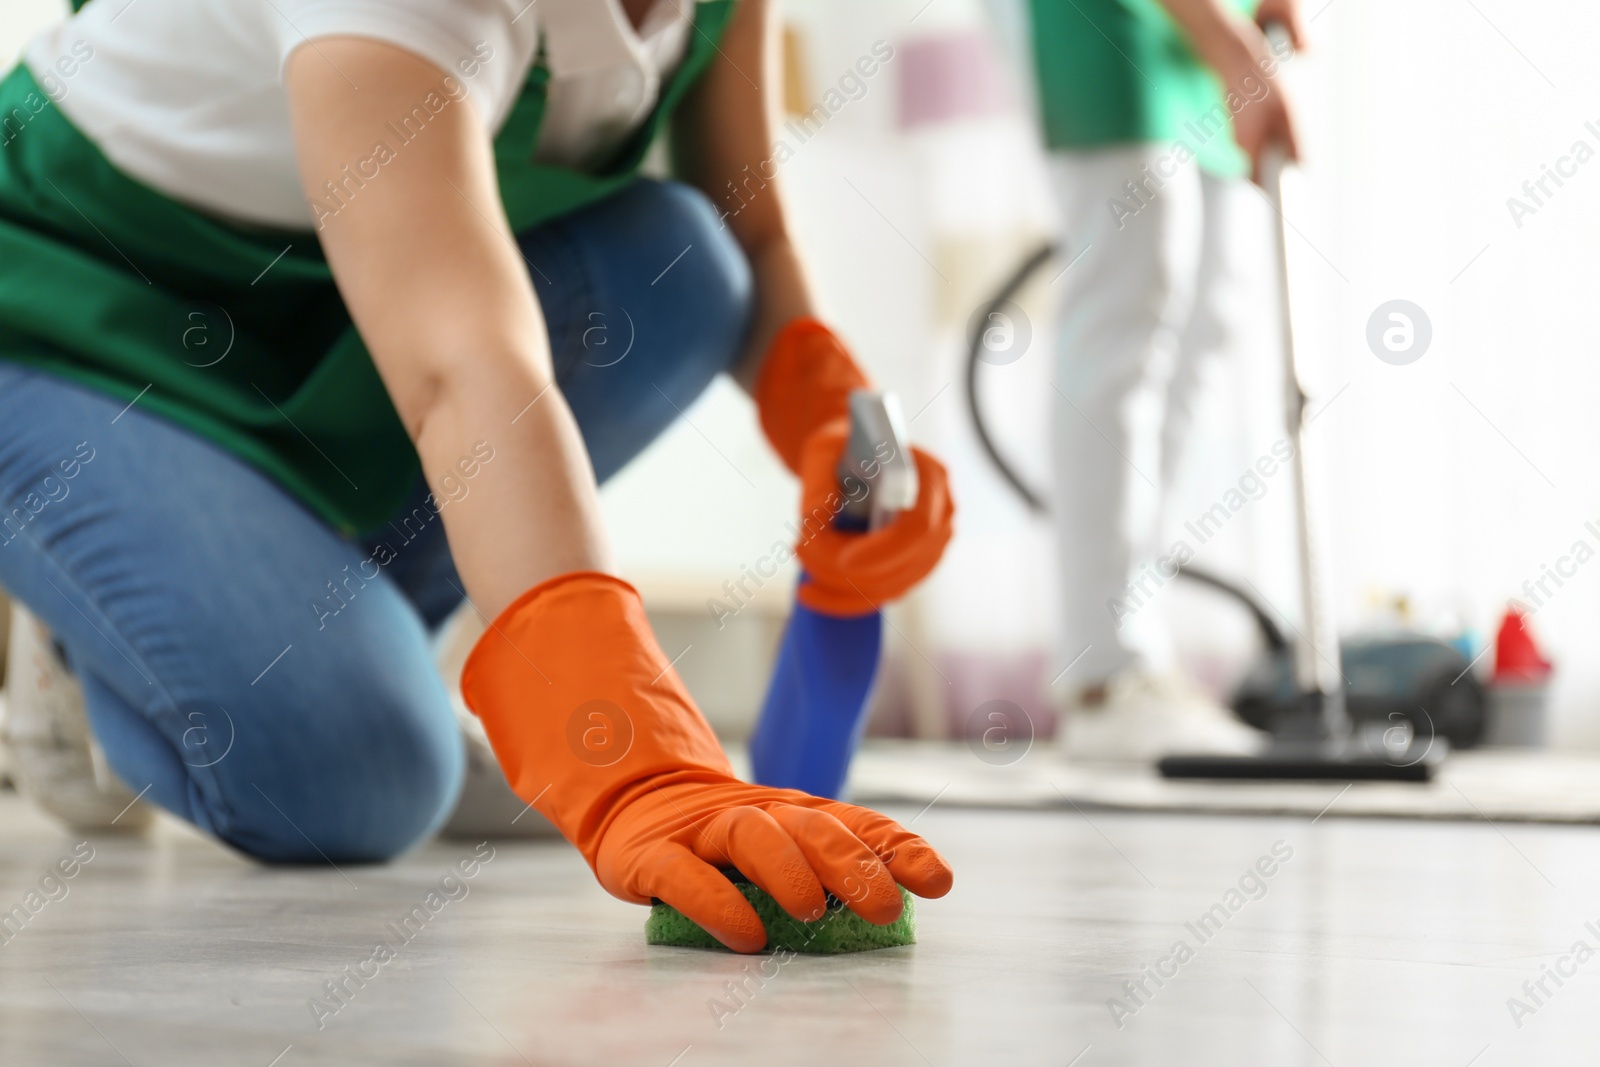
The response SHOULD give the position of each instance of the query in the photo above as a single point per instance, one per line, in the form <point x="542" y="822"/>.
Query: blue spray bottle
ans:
<point x="816" y="705"/>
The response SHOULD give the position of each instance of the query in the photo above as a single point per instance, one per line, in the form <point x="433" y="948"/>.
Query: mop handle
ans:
<point x="876" y="474"/>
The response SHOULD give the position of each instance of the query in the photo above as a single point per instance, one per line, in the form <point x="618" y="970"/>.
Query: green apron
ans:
<point x="1120" y="72"/>
<point x="107" y="282"/>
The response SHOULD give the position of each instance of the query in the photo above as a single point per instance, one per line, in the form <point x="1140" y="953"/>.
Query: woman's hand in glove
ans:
<point x="803" y="397"/>
<point x="853" y="573"/>
<point x="595" y="730"/>
<point x="671" y="836"/>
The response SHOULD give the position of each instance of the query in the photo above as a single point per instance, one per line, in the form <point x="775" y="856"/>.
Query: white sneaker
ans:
<point x="1147" y="716"/>
<point x="51" y="754"/>
<point x="487" y="808"/>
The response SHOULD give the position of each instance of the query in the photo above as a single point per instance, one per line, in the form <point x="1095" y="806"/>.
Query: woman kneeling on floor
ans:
<point x="298" y="306"/>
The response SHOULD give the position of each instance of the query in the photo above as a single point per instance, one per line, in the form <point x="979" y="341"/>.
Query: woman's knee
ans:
<point x="702" y="269"/>
<point x="668" y="293"/>
<point x="381" y="780"/>
<point x="721" y="278"/>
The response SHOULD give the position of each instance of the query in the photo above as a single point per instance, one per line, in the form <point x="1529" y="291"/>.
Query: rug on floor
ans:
<point x="1496" y="785"/>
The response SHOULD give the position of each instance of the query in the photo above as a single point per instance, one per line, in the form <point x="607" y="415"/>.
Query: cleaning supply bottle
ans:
<point x="1519" y="691"/>
<point x="816" y="704"/>
<point x="1517" y="659"/>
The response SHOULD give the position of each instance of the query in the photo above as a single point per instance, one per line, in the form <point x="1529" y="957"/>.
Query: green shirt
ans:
<point x="1119" y="72"/>
<point x="110" y="283"/>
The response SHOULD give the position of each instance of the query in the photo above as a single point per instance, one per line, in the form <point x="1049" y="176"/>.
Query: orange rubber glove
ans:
<point x="594" y="729"/>
<point x="855" y="572"/>
<point x="804" y="384"/>
<point x="803" y="397"/>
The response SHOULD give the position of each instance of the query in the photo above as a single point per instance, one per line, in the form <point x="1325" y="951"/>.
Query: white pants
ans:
<point x="1163" y="287"/>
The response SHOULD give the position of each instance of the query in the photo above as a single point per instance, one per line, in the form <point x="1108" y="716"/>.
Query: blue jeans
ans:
<point x="236" y="658"/>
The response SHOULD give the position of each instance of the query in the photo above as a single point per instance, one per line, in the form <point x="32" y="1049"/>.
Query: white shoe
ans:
<point x="487" y="808"/>
<point x="50" y="753"/>
<point x="1147" y="716"/>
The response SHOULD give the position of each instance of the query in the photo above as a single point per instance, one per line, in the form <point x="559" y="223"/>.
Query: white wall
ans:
<point x="1459" y="476"/>
<point x="19" y="19"/>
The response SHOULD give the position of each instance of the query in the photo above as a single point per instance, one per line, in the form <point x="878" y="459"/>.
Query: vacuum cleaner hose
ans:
<point x="1013" y="285"/>
<point x="1271" y="634"/>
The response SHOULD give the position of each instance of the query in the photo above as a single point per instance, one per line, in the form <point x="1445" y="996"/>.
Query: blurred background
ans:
<point x="1450" y="482"/>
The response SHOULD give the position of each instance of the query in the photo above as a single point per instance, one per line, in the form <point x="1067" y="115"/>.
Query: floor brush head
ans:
<point x="839" y="929"/>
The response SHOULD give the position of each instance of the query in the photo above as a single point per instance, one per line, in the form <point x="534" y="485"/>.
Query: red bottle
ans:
<point x="1517" y="660"/>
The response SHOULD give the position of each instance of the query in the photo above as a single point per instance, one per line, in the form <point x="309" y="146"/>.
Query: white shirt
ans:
<point x="187" y="96"/>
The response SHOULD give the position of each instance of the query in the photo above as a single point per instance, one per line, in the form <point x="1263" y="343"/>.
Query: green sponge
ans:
<point x="839" y="929"/>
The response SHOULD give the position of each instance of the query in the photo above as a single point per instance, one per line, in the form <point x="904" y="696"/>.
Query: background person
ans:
<point x="1150" y="174"/>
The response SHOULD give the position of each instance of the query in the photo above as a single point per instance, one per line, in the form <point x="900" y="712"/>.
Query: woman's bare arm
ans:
<point x="424" y="259"/>
<point x="1236" y="49"/>
<point x="726" y="131"/>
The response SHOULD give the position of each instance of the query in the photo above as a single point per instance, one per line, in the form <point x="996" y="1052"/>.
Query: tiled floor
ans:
<point x="1372" y="943"/>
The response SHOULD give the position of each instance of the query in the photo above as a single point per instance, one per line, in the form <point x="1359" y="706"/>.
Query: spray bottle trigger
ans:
<point x="877" y="475"/>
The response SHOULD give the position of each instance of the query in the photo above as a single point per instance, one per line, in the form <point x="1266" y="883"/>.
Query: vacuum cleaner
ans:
<point x="1381" y="707"/>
